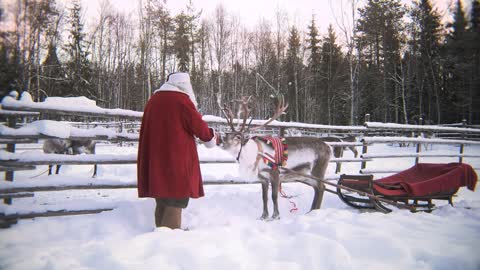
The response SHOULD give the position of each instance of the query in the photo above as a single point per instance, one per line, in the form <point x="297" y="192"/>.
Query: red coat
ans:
<point x="168" y="165"/>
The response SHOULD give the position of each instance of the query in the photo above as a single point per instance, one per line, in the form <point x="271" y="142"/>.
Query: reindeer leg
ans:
<point x="50" y="169"/>
<point x="318" y="197"/>
<point x="354" y="150"/>
<point x="265" y="199"/>
<point x="319" y="170"/>
<point x="275" y="178"/>
<point x="58" y="169"/>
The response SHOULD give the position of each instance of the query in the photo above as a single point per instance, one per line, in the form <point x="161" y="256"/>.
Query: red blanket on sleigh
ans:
<point x="426" y="179"/>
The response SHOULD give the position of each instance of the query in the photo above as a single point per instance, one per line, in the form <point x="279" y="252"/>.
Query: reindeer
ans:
<point x="338" y="150"/>
<point x="305" y="154"/>
<point x="352" y="148"/>
<point x="69" y="147"/>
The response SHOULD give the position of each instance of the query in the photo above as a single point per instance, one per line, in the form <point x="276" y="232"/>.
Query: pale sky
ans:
<point x="251" y="11"/>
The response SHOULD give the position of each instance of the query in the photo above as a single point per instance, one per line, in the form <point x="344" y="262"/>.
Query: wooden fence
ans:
<point x="15" y="112"/>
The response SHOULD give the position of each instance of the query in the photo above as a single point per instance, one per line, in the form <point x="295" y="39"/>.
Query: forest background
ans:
<point x="398" y="61"/>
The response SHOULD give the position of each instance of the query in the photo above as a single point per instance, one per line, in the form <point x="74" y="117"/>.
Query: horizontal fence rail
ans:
<point x="406" y="127"/>
<point x="17" y="113"/>
<point x="82" y="185"/>
<point x="371" y="140"/>
<point x="104" y="159"/>
<point x="390" y="155"/>
<point x="74" y="160"/>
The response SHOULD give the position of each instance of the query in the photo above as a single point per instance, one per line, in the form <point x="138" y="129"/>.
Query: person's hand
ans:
<point x="213" y="142"/>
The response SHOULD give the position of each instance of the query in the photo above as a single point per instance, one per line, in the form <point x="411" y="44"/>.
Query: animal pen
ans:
<point x="18" y="130"/>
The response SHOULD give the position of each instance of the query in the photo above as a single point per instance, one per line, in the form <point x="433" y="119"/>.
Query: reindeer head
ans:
<point x="238" y="136"/>
<point x="232" y="142"/>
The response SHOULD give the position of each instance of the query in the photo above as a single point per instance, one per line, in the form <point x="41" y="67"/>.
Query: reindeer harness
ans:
<point x="280" y="148"/>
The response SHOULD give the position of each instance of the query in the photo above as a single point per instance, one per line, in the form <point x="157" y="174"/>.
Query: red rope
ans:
<point x="294" y="205"/>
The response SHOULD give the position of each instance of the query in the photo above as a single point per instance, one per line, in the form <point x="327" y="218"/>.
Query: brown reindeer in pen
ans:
<point x="69" y="147"/>
<point x="338" y="149"/>
<point x="307" y="155"/>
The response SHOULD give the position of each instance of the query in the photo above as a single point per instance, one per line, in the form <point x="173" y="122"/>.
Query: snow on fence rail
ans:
<point x="44" y="129"/>
<point x="406" y="127"/>
<point x="67" y="108"/>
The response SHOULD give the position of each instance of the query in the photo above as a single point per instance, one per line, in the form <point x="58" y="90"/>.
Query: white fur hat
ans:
<point x="180" y="78"/>
<point x="180" y="81"/>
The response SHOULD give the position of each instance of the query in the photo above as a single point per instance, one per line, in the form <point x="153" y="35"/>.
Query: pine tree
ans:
<point x="54" y="74"/>
<point x="8" y="62"/>
<point x="182" y="42"/>
<point x="456" y="67"/>
<point x="426" y="52"/>
<point x="53" y="80"/>
<point x="334" y="81"/>
<point x="313" y="41"/>
<point x="164" y="26"/>
<point x="293" y="66"/>
<point x="192" y="29"/>
<point x="78" y="65"/>
<point x="380" y="28"/>
<point x="313" y="64"/>
<point x="200" y="80"/>
<point x="474" y="61"/>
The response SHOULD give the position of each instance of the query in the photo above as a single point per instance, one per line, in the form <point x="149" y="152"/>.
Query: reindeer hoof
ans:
<point x="264" y="216"/>
<point x="275" y="216"/>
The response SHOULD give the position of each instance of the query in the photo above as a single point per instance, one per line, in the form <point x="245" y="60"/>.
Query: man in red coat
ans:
<point x="168" y="168"/>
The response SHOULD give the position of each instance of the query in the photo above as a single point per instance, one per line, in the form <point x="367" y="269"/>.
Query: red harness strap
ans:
<point x="294" y="205"/>
<point x="280" y="148"/>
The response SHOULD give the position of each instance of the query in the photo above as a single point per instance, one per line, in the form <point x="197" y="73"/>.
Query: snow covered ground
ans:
<point x="224" y="231"/>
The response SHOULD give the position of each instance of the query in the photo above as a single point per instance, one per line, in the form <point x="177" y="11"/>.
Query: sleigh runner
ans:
<point x="414" y="188"/>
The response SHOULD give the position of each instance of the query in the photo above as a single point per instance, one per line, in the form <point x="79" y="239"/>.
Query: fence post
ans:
<point x="364" y="147"/>
<point x="9" y="175"/>
<point x="419" y="145"/>
<point x="12" y="123"/>
<point x="121" y="131"/>
<point x="462" y="146"/>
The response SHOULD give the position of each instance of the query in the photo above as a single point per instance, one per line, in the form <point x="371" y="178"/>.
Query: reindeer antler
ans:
<point x="229" y="116"/>
<point x="227" y="112"/>
<point x="244" y="111"/>
<point x="281" y="107"/>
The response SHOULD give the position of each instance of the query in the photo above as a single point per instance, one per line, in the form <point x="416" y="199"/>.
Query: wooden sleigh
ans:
<point x="414" y="188"/>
